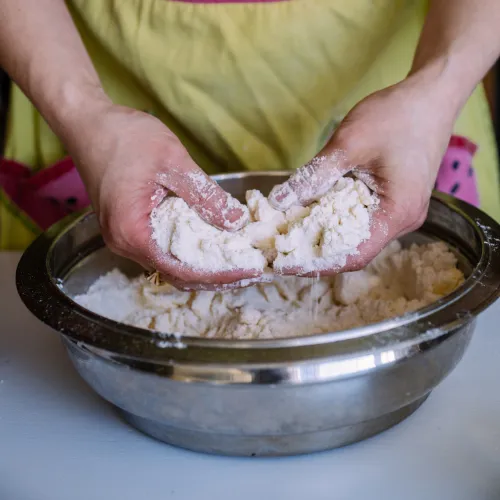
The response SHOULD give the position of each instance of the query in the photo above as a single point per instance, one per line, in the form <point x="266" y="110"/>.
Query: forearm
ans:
<point x="460" y="42"/>
<point x="41" y="50"/>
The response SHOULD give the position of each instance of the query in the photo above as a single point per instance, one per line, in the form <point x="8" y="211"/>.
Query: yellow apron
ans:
<point x="245" y="86"/>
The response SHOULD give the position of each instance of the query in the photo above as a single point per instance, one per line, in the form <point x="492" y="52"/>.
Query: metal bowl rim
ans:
<point x="484" y="281"/>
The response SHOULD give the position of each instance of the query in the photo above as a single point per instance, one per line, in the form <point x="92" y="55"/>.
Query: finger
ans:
<point x="177" y="273"/>
<point x="186" y="278"/>
<point x="383" y="231"/>
<point x="151" y="258"/>
<point x="204" y="195"/>
<point x="385" y="228"/>
<point x="128" y="232"/>
<point x="245" y="283"/>
<point x="311" y="181"/>
<point x="174" y="270"/>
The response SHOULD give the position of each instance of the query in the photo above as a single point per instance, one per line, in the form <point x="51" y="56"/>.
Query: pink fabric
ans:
<point x="456" y="175"/>
<point x="46" y="196"/>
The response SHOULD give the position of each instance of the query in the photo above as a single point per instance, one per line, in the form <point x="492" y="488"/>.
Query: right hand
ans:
<point x="129" y="161"/>
<point x="394" y="141"/>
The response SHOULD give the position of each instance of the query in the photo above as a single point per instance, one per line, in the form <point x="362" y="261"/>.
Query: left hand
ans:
<point x="133" y="163"/>
<point x="394" y="141"/>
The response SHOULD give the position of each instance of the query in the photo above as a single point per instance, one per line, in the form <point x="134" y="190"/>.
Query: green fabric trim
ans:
<point x="19" y="214"/>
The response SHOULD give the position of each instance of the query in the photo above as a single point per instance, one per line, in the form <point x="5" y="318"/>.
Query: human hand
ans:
<point x="394" y="141"/>
<point x="129" y="161"/>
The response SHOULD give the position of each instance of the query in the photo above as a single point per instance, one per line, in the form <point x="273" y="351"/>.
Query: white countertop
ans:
<point x="59" y="441"/>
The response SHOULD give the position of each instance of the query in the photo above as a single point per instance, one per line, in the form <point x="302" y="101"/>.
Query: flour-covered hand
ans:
<point x="393" y="141"/>
<point x="129" y="162"/>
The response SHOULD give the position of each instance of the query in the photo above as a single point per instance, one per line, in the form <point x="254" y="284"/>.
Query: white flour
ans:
<point x="396" y="282"/>
<point x="180" y="231"/>
<point x="331" y="231"/>
<point x="318" y="237"/>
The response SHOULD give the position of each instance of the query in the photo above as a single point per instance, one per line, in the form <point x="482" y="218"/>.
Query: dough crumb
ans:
<point x="305" y="239"/>
<point x="398" y="281"/>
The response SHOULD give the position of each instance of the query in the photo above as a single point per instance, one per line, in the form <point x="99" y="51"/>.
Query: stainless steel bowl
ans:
<point x="262" y="397"/>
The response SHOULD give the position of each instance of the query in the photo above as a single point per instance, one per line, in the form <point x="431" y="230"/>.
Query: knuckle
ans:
<point x="346" y="138"/>
<point x="174" y="155"/>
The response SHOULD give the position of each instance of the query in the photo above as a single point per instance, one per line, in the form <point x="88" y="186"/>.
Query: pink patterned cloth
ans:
<point x="50" y="194"/>
<point x="456" y="175"/>
<point x="46" y="196"/>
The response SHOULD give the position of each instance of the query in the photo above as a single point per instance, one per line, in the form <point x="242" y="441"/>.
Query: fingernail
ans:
<point x="235" y="215"/>
<point x="282" y="197"/>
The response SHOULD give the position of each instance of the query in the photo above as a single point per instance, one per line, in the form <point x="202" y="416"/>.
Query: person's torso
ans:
<point x="247" y="85"/>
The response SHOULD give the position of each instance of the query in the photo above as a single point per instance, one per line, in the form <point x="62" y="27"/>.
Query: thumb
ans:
<point x="205" y="196"/>
<point x="313" y="180"/>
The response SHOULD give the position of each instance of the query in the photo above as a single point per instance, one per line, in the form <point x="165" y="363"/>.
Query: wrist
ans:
<point x="75" y="118"/>
<point x="77" y="106"/>
<point x="442" y="83"/>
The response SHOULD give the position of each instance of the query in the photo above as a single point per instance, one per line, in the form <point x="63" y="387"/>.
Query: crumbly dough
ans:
<point x="310" y="239"/>
<point x="329" y="232"/>
<point x="179" y="230"/>
<point x="396" y="282"/>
